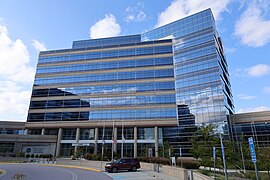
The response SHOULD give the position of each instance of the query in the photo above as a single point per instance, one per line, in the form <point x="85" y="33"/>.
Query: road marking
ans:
<point x="4" y="172"/>
<point x="118" y="177"/>
<point x="69" y="166"/>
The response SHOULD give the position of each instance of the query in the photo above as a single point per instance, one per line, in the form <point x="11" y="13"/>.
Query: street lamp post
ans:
<point x="223" y="156"/>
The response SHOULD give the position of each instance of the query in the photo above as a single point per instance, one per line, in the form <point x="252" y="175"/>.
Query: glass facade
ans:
<point x="107" y="81"/>
<point x="177" y="71"/>
<point x="203" y="90"/>
<point x="260" y="131"/>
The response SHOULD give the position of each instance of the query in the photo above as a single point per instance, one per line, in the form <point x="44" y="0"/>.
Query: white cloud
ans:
<point x="258" y="70"/>
<point x="229" y="50"/>
<point x="136" y="13"/>
<point x="16" y="77"/>
<point x="14" y="101"/>
<point x="106" y="27"/>
<point x="252" y="29"/>
<point x="246" y="97"/>
<point x="38" y="45"/>
<point x="267" y="89"/>
<point x="255" y="109"/>
<point x="182" y="8"/>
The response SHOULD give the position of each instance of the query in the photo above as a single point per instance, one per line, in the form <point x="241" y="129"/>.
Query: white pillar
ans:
<point x="43" y="131"/>
<point x="135" y="142"/>
<point x="115" y="136"/>
<point x="156" y="141"/>
<point x="58" y="145"/>
<point x="95" y="141"/>
<point x="77" y="138"/>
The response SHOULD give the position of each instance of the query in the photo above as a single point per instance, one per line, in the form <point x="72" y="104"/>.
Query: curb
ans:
<point x="9" y="163"/>
<point x="68" y="166"/>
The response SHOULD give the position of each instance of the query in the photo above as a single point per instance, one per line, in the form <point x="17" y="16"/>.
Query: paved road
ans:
<point x="39" y="172"/>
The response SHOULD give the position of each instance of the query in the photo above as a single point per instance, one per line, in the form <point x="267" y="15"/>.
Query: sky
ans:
<point x="30" y="26"/>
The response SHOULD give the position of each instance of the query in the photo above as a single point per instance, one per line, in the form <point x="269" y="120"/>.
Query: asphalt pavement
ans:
<point x="50" y="172"/>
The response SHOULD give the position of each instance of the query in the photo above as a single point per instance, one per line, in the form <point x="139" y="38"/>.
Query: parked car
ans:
<point x="130" y="164"/>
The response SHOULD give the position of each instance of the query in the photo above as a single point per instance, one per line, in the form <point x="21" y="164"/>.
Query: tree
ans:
<point x="263" y="156"/>
<point x="167" y="146"/>
<point x="203" y="141"/>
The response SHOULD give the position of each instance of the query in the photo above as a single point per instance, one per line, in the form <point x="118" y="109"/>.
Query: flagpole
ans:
<point x="122" y="146"/>
<point x="103" y="141"/>
<point x="112" y="139"/>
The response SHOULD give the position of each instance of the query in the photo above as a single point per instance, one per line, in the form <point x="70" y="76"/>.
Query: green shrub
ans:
<point x="32" y="155"/>
<point x="157" y="160"/>
<point x="73" y="157"/>
<point x="94" y="157"/>
<point x="188" y="163"/>
<point x="27" y="155"/>
<point x="20" y="154"/>
<point x="88" y="156"/>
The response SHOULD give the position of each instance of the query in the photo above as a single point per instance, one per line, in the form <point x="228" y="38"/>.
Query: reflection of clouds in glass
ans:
<point x="205" y="105"/>
<point x="178" y="44"/>
<point x="129" y="100"/>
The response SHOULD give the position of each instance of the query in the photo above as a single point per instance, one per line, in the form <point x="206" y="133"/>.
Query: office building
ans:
<point x="151" y="87"/>
<point x="252" y="124"/>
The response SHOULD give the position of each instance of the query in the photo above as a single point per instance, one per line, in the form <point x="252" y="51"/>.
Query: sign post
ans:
<point x="253" y="155"/>
<point x="150" y="153"/>
<point x="214" y="157"/>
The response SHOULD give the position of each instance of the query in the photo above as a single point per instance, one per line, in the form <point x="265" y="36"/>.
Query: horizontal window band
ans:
<point x="40" y="64"/>
<point x="103" y="83"/>
<point x="106" y="49"/>
<point x="102" y="95"/>
<point x="100" y="109"/>
<point x="100" y="124"/>
<point x="105" y="71"/>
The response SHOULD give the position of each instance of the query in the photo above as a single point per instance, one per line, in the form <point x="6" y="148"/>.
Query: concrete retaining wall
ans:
<point x="99" y="165"/>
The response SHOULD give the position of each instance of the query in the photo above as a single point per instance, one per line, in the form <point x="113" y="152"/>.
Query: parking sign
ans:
<point x="214" y="152"/>
<point x="252" y="149"/>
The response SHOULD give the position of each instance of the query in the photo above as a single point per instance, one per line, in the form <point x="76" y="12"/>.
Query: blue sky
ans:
<point x="28" y="26"/>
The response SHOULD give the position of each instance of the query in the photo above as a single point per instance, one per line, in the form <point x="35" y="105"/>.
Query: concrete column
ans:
<point x="156" y="141"/>
<point x="58" y="145"/>
<point x="115" y="135"/>
<point x="77" y="138"/>
<point x="95" y="141"/>
<point x="135" y="142"/>
<point x="43" y="131"/>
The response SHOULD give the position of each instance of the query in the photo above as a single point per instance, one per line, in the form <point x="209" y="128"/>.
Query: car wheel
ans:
<point x="114" y="169"/>
<point x="134" y="168"/>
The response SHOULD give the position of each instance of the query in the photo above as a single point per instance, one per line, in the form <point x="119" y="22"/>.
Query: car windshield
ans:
<point x="116" y="161"/>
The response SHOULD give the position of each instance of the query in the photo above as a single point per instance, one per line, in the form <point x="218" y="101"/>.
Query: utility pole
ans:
<point x="243" y="159"/>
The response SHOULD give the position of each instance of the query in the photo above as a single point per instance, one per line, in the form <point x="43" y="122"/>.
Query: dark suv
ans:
<point x="131" y="164"/>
